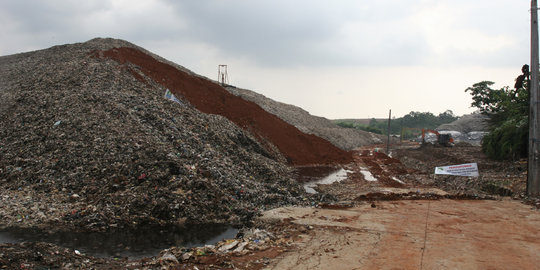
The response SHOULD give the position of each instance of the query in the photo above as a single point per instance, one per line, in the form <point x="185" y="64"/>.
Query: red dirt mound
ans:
<point x="208" y="97"/>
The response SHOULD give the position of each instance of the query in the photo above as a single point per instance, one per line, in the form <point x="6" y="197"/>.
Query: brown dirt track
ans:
<point x="441" y="234"/>
<point x="423" y="223"/>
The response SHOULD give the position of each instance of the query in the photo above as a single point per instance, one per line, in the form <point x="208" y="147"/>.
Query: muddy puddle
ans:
<point x="132" y="243"/>
<point x="310" y="177"/>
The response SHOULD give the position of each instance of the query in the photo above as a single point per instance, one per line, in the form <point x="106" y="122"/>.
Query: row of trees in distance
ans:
<point x="408" y="126"/>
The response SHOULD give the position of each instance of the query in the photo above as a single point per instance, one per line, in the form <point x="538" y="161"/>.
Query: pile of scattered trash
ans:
<point x="249" y="240"/>
<point x="256" y="244"/>
<point x="88" y="143"/>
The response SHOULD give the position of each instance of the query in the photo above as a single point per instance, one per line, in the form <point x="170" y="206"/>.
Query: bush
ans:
<point x="370" y="129"/>
<point x="508" y="141"/>
<point x="345" y="124"/>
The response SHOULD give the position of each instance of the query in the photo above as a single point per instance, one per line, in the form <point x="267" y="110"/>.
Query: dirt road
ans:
<point x="385" y="229"/>
<point x="437" y="234"/>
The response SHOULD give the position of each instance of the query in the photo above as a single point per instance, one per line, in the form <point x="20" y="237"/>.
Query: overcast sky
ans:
<point x="337" y="59"/>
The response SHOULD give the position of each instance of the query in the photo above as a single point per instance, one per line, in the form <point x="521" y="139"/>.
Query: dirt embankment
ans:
<point x="299" y="148"/>
<point x="344" y="138"/>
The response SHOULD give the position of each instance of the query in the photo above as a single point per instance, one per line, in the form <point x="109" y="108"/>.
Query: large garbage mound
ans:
<point x="344" y="138"/>
<point x="469" y="128"/>
<point x="89" y="142"/>
<point x="299" y="148"/>
<point x="468" y="123"/>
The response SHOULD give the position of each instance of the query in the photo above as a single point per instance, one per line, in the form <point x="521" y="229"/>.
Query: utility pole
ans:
<point x="401" y="131"/>
<point x="533" y="174"/>
<point x="388" y="130"/>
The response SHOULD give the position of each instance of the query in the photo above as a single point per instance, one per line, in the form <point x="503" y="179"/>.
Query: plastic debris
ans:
<point x="168" y="257"/>
<point x="170" y="96"/>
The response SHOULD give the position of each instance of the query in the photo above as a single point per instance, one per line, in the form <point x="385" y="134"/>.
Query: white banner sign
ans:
<point x="469" y="169"/>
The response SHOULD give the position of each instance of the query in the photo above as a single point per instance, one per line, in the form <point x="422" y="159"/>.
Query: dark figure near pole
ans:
<point x="521" y="78"/>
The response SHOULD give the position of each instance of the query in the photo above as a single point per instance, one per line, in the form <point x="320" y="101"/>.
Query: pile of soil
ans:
<point x="88" y="141"/>
<point x="344" y="138"/>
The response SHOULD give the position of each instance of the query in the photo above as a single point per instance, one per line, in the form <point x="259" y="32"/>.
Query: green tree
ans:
<point x="370" y="129"/>
<point x="446" y="117"/>
<point x="414" y="120"/>
<point x="508" y="125"/>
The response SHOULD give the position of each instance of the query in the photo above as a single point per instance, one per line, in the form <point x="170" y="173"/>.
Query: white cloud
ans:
<point x="334" y="58"/>
<point x="447" y="33"/>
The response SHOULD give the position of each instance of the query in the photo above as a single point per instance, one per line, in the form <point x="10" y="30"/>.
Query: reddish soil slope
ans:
<point x="299" y="148"/>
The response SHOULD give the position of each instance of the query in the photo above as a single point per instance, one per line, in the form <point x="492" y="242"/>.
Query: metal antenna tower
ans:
<point x="223" y="78"/>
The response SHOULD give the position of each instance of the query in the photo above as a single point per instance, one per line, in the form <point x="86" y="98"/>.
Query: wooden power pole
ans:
<point x="533" y="174"/>
<point x="388" y="141"/>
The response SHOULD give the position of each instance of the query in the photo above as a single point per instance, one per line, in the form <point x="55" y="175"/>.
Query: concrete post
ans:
<point x="533" y="175"/>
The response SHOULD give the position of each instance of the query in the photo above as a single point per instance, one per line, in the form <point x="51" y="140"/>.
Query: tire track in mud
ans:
<point x="425" y="237"/>
<point x="381" y="166"/>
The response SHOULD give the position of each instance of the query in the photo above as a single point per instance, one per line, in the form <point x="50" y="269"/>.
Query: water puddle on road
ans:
<point x="313" y="176"/>
<point x="133" y="243"/>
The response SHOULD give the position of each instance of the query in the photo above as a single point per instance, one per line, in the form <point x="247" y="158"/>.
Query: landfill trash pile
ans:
<point x="88" y="142"/>
<point x="344" y="138"/>
<point x="468" y="123"/>
<point x="297" y="147"/>
<point x="469" y="128"/>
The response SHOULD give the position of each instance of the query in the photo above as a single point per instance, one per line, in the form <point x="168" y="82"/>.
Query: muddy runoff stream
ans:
<point x="132" y="243"/>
